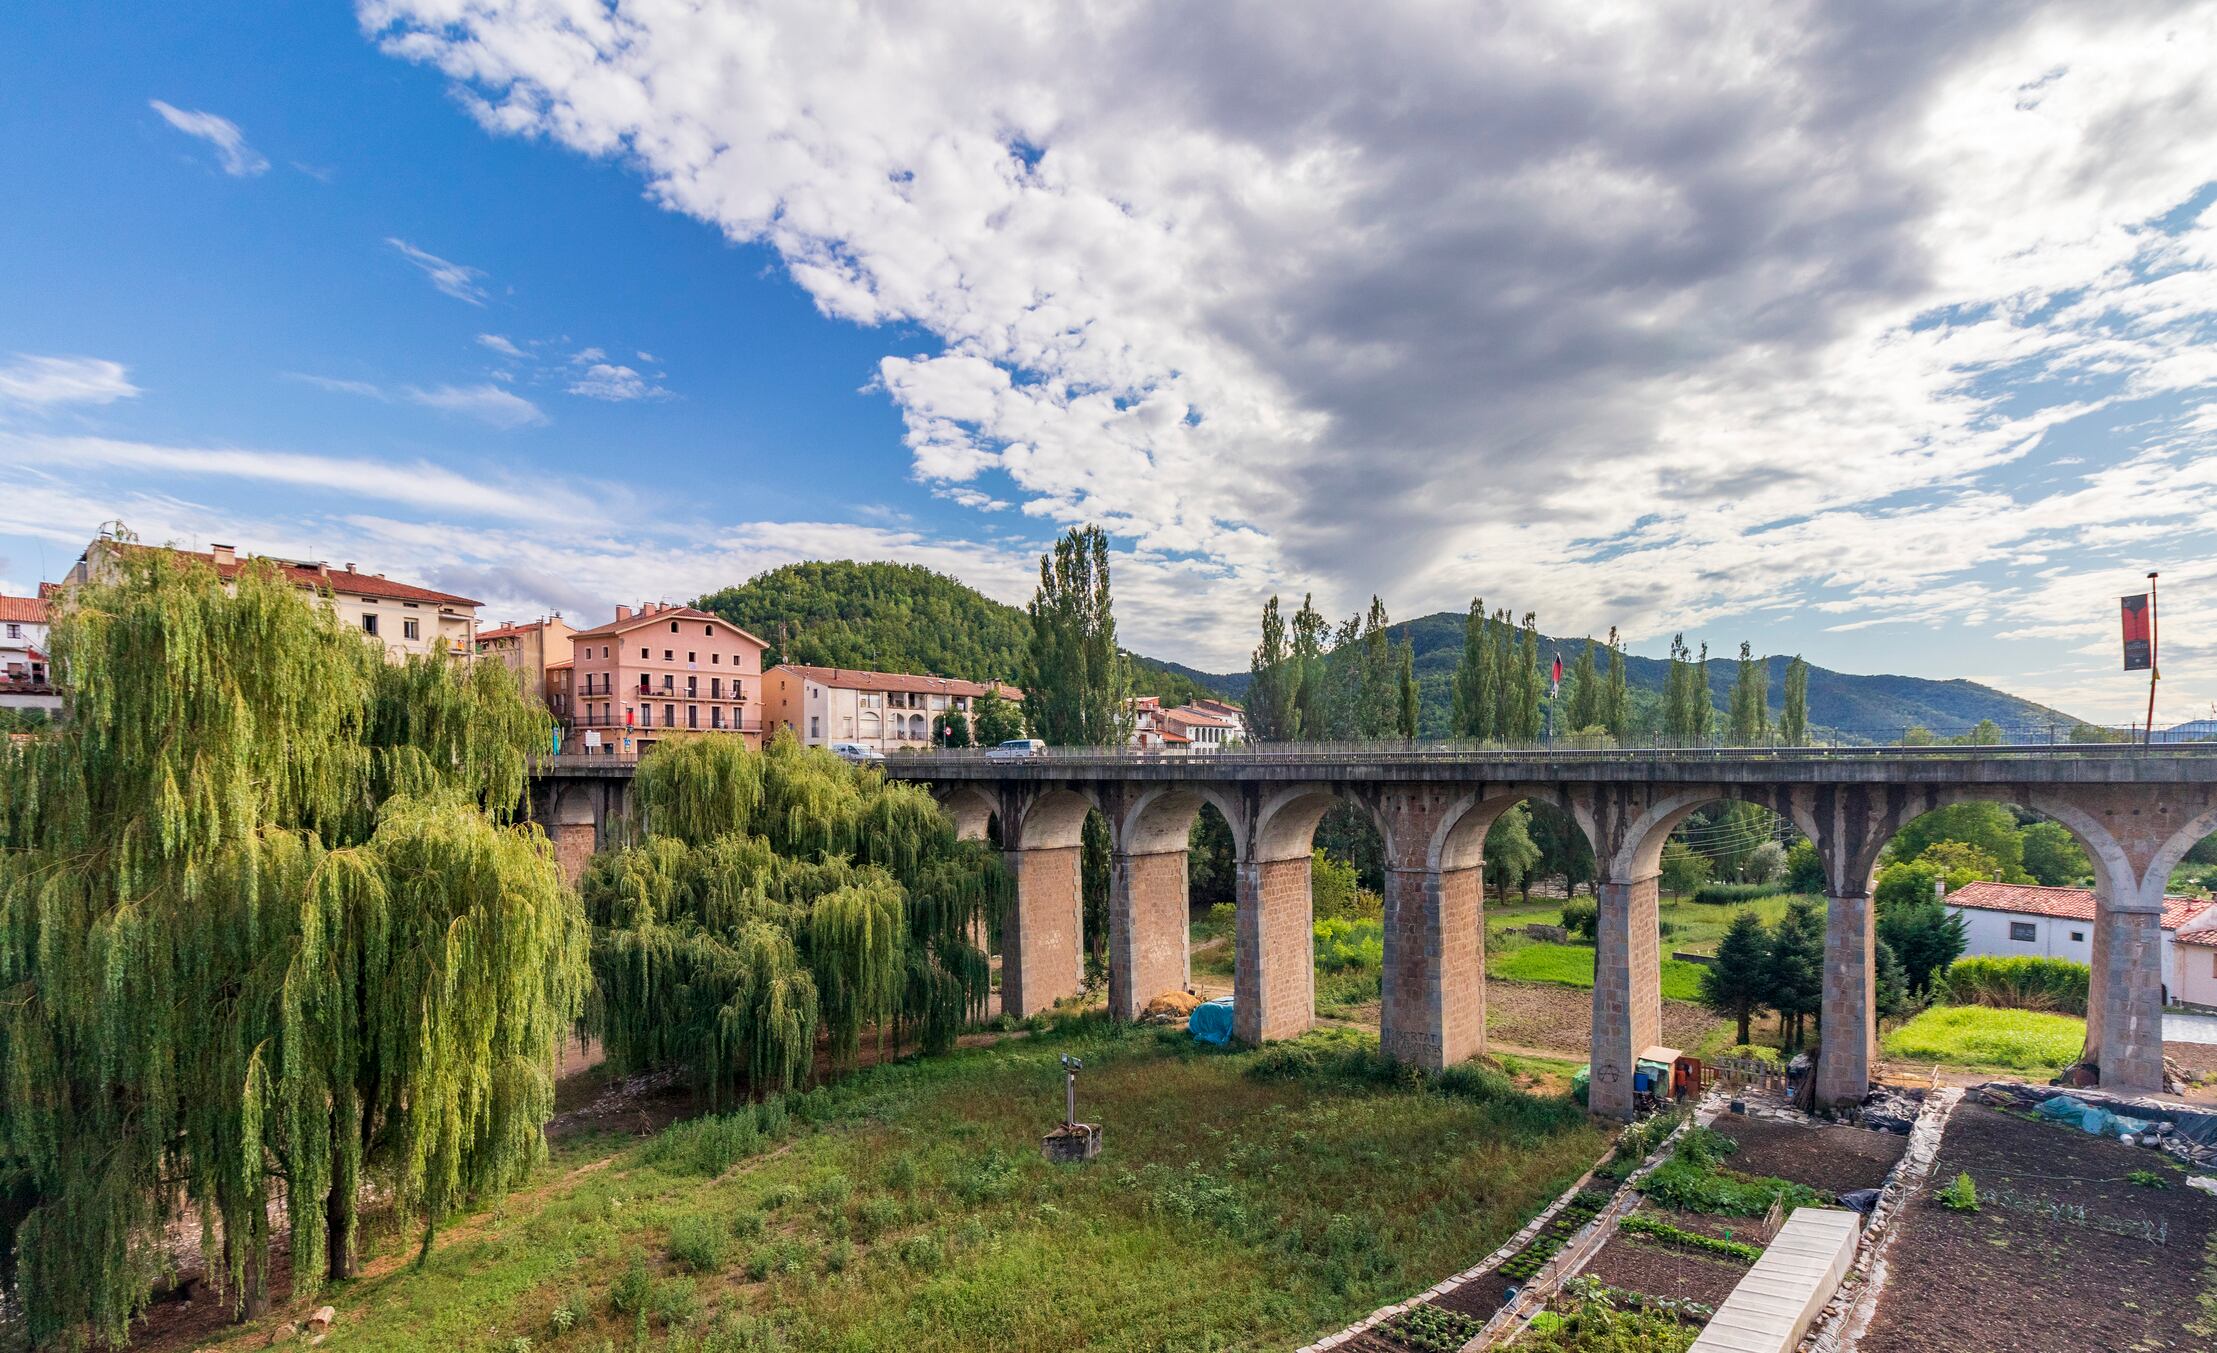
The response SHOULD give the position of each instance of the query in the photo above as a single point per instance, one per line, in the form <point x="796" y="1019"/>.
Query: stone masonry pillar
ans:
<point x="1148" y="931"/>
<point x="1274" y="984"/>
<point x="1434" y="1009"/>
<point x="2125" y="1037"/>
<point x="573" y="849"/>
<point x="1041" y="961"/>
<point x="1849" y="1015"/>
<point x="1627" y="991"/>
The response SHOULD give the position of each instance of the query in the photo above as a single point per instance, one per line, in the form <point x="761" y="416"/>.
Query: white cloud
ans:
<point x="487" y="403"/>
<point x="51" y="382"/>
<point x="502" y="346"/>
<point x="337" y="385"/>
<point x="240" y="160"/>
<point x="616" y="384"/>
<point x="455" y="279"/>
<point x="586" y="355"/>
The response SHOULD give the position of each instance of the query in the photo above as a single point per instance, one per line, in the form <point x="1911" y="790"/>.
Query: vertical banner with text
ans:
<point x="2139" y="645"/>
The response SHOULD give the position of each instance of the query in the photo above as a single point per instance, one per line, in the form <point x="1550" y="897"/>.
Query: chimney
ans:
<point x="225" y="555"/>
<point x="623" y="612"/>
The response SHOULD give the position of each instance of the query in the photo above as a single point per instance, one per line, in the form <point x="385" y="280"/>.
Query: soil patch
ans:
<point x="1638" y="1264"/>
<point x="1832" y="1159"/>
<point x="2064" y="1255"/>
<point x="1545" y="1015"/>
<point x="1480" y="1297"/>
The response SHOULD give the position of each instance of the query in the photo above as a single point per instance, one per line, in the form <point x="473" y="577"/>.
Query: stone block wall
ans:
<point x="573" y="849"/>
<point x="1434" y="1011"/>
<point x="1627" y="990"/>
<point x="1148" y="934"/>
<point x="2127" y="1040"/>
<point x="1041" y="961"/>
<point x="1849" y="1017"/>
<point x="1274" y="984"/>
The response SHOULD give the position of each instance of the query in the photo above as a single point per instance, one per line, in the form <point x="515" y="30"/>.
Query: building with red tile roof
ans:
<point x="26" y="675"/>
<point x="2015" y="920"/>
<point x="663" y="669"/>
<point x="885" y="711"/>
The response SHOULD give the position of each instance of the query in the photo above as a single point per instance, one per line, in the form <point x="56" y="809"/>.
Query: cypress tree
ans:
<point x="1410" y="710"/>
<point x="1793" y="721"/>
<point x="1270" y="693"/>
<point x="261" y="919"/>
<point x="1583" y="702"/>
<point x="1738" y="984"/>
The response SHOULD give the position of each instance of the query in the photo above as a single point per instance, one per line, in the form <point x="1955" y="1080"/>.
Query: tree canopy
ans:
<point x="265" y="936"/>
<point x="1077" y="689"/>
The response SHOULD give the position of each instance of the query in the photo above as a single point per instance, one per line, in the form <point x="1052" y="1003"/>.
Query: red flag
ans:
<point x="2139" y="645"/>
<point x="1558" y="669"/>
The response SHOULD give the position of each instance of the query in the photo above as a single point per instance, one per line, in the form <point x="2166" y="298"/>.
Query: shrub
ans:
<point x="1434" y="1330"/>
<point x="830" y="1192"/>
<point x="1960" y="1195"/>
<point x="877" y="1215"/>
<point x="2023" y="983"/>
<point x="2147" y="1179"/>
<point x="698" y="1245"/>
<point x="1345" y="943"/>
<point x="677" y="1303"/>
<point x="628" y="1295"/>
<point x="705" y="1146"/>
<point x="1581" y="918"/>
<point x="1723" y="893"/>
<point x="747" y="1225"/>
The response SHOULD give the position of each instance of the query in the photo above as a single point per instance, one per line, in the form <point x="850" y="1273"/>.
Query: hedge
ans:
<point x="1739" y="892"/>
<point x="2024" y="983"/>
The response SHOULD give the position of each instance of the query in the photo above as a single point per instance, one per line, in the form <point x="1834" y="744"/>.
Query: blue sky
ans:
<point x="1882" y="340"/>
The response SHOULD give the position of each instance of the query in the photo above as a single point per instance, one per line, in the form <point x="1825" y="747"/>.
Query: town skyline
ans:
<point x="377" y="288"/>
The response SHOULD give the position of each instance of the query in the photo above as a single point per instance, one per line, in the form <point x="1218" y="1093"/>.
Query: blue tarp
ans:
<point x="1211" y="1021"/>
<point x="2090" y="1117"/>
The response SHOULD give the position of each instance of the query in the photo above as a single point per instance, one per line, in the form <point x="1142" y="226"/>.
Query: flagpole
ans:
<point x="2154" y="664"/>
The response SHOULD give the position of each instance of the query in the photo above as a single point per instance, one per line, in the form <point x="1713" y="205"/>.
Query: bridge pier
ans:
<point x="1627" y="990"/>
<point x="1433" y="1012"/>
<point x="1042" y="960"/>
<point x="1274" y="982"/>
<point x="1848" y="1016"/>
<point x="1149" y="939"/>
<point x="2124" y="1008"/>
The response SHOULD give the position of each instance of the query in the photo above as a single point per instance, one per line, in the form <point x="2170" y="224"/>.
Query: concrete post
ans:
<point x="1274" y="983"/>
<point x="1041" y="959"/>
<point x="2126" y="1037"/>
<point x="1149" y="952"/>
<point x="1627" y="990"/>
<point x="1434" y="1009"/>
<point x="1849" y="1015"/>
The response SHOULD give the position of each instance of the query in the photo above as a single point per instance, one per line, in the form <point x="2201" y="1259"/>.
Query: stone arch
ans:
<point x="1640" y="852"/>
<point x="1458" y="842"/>
<point x="1053" y="819"/>
<point x="2156" y="880"/>
<point x="1285" y="823"/>
<point x="972" y="809"/>
<point x="1160" y="818"/>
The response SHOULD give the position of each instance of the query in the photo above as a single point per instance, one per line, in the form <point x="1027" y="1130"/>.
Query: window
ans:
<point x="691" y="656"/>
<point x="708" y="629"/>
<point x="642" y="655"/>
<point x="669" y="714"/>
<point x="692" y="716"/>
<point x="15" y="631"/>
<point x="2023" y="932"/>
<point x="715" y="716"/>
<point x="668" y="656"/>
<point x="411" y="629"/>
<point x="369" y="622"/>
<point x="646" y="716"/>
<point x="692" y="687"/>
<point x="715" y="688"/>
<point x="2078" y="937"/>
<point x="716" y="657"/>
<point x="673" y="627"/>
<point x="815" y="726"/>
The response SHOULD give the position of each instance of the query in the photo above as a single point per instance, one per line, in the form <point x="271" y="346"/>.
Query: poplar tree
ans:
<point x="1751" y="693"/>
<point x="1507" y="722"/>
<point x="261" y="923"/>
<point x="1079" y="693"/>
<point x="1472" y="707"/>
<point x="1793" y="720"/>
<point x="1616" y="699"/>
<point x="1528" y="715"/>
<point x="1701" y="719"/>
<point x="1677" y="710"/>
<point x="1378" y="696"/>
<point x="1410" y="706"/>
<point x="1582" y="703"/>
<point x="1271" y="691"/>
<point x="1310" y="698"/>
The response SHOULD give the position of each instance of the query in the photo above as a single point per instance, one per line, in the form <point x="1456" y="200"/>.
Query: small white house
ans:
<point x="2022" y="920"/>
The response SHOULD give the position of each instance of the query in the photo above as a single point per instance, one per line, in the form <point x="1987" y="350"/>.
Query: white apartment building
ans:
<point x="887" y="711"/>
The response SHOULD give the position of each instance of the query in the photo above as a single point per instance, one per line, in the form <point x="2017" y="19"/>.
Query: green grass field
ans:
<point x="1981" y="1036"/>
<point x="1571" y="965"/>
<point x="909" y="1208"/>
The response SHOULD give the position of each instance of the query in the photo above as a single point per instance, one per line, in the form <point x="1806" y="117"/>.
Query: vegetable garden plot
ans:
<point x="1830" y="1159"/>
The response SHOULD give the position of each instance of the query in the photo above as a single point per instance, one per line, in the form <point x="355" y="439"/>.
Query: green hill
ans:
<point x="906" y="618"/>
<point x="902" y="618"/>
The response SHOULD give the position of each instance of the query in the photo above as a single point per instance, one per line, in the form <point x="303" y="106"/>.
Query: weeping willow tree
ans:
<point x="775" y="896"/>
<point x="265" y="939"/>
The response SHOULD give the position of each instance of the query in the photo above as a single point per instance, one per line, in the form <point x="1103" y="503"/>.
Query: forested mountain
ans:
<point x="901" y="618"/>
<point x="904" y="617"/>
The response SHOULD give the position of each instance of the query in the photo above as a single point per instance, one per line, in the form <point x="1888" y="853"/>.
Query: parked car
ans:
<point x="1017" y="749"/>
<point x="855" y="751"/>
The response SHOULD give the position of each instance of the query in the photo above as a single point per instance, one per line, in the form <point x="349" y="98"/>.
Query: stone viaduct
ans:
<point x="2136" y="811"/>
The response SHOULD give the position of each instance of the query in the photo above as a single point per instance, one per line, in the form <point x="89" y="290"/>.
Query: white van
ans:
<point x="1017" y="749"/>
<point x="856" y="751"/>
